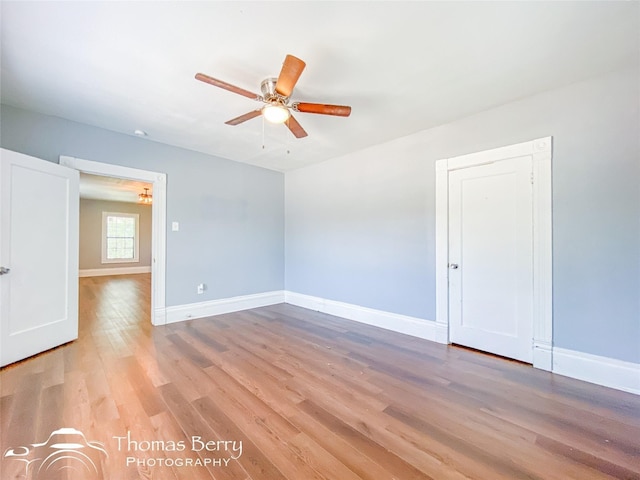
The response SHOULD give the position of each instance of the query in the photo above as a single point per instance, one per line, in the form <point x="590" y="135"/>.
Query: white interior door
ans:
<point x="39" y="248"/>
<point x="491" y="257"/>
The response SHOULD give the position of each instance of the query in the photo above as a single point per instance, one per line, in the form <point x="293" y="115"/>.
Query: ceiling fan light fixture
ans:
<point x="276" y="113"/>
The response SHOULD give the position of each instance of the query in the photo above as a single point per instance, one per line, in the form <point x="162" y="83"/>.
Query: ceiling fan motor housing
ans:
<point x="268" y="89"/>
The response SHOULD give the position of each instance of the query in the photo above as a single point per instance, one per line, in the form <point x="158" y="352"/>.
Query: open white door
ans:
<point x="38" y="254"/>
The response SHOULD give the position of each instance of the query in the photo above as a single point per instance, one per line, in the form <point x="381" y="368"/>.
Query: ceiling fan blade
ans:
<point x="244" y="118"/>
<point x="227" y="86"/>
<point x="295" y="127"/>
<point x="291" y="70"/>
<point x="322" y="109"/>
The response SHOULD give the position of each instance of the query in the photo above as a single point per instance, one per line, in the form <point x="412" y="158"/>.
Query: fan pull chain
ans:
<point x="287" y="137"/>
<point x="263" y="132"/>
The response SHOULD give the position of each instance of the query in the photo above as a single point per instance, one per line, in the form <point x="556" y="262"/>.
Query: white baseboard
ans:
<point x="604" y="371"/>
<point x="543" y="355"/>
<point x="160" y="316"/>
<point x="190" y="311"/>
<point x="442" y="333"/>
<point x="99" y="272"/>
<point x="416" y="327"/>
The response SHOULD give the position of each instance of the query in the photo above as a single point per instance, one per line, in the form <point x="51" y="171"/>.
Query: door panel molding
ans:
<point x="541" y="152"/>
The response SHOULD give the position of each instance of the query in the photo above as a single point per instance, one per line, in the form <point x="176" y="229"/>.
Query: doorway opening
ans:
<point x="158" y="222"/>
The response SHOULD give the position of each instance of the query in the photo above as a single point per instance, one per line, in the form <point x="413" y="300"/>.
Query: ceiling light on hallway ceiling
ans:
<point x="145" y="197"/>
<point x="140" y="133"/>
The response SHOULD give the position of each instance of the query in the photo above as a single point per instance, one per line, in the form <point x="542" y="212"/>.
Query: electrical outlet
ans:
<point x="201" y="289"/>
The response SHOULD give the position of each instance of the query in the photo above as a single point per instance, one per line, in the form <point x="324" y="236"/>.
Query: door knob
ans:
<point x="453" y="266"/>
<point x="4" y="271"/>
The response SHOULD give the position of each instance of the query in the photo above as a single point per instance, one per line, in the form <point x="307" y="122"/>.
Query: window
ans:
<point x="120" y="237"/>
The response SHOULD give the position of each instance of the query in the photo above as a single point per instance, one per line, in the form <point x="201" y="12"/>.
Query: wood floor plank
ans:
<point x="51" y="411"/>
<point x="448" y="408"/>
<point x="193" y="425"/>
<point x="249" y="455"/>
<point x="188" y="378"/>
<point x="324" y="465"/>
<point x="142" y="386"/>
<point x="507" y="459"/>
<point x="134" y="455"/>
<point x="377" y="453"/>
<point x="265" y="424"/>
<point x="199" y="334"/>
<point x="340" y="448"/>
<point x="188" y="351"/>
<point x="373" y="423"/>
<point x="77" y="406"/>
<point x="6" y="409"/>
<point x="22" y="426"/>
<point x="596" y="463"/>
<point x="167" y="429"/>
<point x="251" y="376"/>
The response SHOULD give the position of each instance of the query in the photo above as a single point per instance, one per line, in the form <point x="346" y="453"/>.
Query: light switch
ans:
<point x="175" y="226"/>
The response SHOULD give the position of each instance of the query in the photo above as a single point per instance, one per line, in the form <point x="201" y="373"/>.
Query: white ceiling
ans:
<point x="402" y="66"/>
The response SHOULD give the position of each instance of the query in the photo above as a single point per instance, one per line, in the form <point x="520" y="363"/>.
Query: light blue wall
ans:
<point x="360" y="229"/>
<point x="231" y="215"/>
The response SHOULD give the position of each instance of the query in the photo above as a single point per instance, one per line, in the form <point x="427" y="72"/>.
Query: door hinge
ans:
<point x="531" y="178"/>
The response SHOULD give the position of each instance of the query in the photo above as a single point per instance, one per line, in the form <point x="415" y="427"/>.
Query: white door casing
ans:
<point x="39" y="203"/>
<point x="491" y="258"/>
<point x="158" y="222"/>
<point x="540" y="153"/>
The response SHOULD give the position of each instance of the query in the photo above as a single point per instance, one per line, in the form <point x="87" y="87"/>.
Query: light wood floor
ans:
<point x="310" y="396"/>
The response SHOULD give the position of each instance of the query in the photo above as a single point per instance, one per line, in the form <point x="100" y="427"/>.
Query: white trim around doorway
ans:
<point x="158" y="228"/>
<point x="541" y="152"/>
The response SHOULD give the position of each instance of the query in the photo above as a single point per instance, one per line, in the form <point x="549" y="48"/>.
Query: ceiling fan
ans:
<point x="276" y="93"/>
